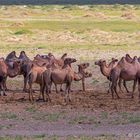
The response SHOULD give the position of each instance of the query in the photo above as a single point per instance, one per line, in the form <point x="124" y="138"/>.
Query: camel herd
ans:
<point x="127" y="69"/>
<point x="43" y="70"/>
<point x="46" y="70"/>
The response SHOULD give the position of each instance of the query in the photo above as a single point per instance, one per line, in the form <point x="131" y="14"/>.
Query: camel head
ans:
<point x="114" y="60"/>
<point x="83" y="65"/>
<point x="100" y="62"/>
<point x="87" y="74"/>
<point x="69" y="60"/>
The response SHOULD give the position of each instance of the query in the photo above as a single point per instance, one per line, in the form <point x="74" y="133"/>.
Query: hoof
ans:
<point x="4" y="94"/>
<point x="39" y="99"/>
<point x="25" y="90"/>
<point x="61" y="90"/>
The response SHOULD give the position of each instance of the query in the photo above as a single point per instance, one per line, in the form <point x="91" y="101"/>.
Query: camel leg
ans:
<point x="134" y="87"/>
<point x="139" y="86"/>
<point x="61" y="90"/>
<point x="119" y="84"/>
<point x="66" y="93"/>
<point x="31" y="98"/>
<point x="4" y="94"/>
<point x="69" y="89"/>
<point x="25" y="83"/>
<point x="48" y="87"/>
<point x="56" y="88"/>
<point x="124" y="84"/>
<point x="108" y="91"/>
<point x="41" y="92"/>
<point x="0" y="89"/>
<point x="5" y="86"/>
<point x="83" y="84"/>
<point x="115" y="89"/>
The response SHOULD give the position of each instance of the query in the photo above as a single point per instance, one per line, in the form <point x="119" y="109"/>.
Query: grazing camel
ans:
<point x="82" y="74"/>
<point x="126" y="71"/>
<point x="59" y="76"/>
<point x="7" y="71"/>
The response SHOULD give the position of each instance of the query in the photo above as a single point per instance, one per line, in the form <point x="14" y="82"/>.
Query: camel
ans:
<point x="59" y="76"/>
<point x="35" y="76"/>
<point x="82" y="74"/>
<point x="7" y="71"/>
<point x="126" y="71"/>
<point x="40" y="60"/>
<point x="106" y="69"/>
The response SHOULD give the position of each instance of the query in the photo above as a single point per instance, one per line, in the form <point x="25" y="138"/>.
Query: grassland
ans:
<point x="87" y="33"/>
<point x="87" y="29"/>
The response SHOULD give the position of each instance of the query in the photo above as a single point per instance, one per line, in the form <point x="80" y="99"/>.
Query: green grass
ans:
<point x="23" y="31"/>
<point x="31" y="109"/>
<point x="8" y="115"/>
<point x="73" y="25"/>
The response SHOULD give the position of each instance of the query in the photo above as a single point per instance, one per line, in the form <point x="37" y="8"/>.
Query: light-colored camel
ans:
<point x="126" y="71"/>
<point x="82" y="74"/>
<point x="59" y="76"/>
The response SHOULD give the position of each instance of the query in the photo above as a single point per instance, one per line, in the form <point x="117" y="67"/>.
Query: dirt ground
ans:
<point x="91" y="113"/>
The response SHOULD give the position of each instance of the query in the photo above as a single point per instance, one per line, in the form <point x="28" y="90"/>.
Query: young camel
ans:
<point x="59" y="76"/>
<point x="82" y="74"/>
<point x="126" y="71"/>
<point x="6" y="71"/>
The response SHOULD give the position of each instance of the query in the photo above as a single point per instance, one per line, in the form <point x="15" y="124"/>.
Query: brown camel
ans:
<point x="7" y="71"/>
<point x="35" y="76"/>
<point x="82" y="74"/>
<point x="126" y="71"/>
<point x="59" y="76"/>
<point x="106" y="69"/>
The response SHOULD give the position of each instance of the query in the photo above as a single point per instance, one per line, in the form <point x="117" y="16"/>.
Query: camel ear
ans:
<point x="64" y="55"/>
